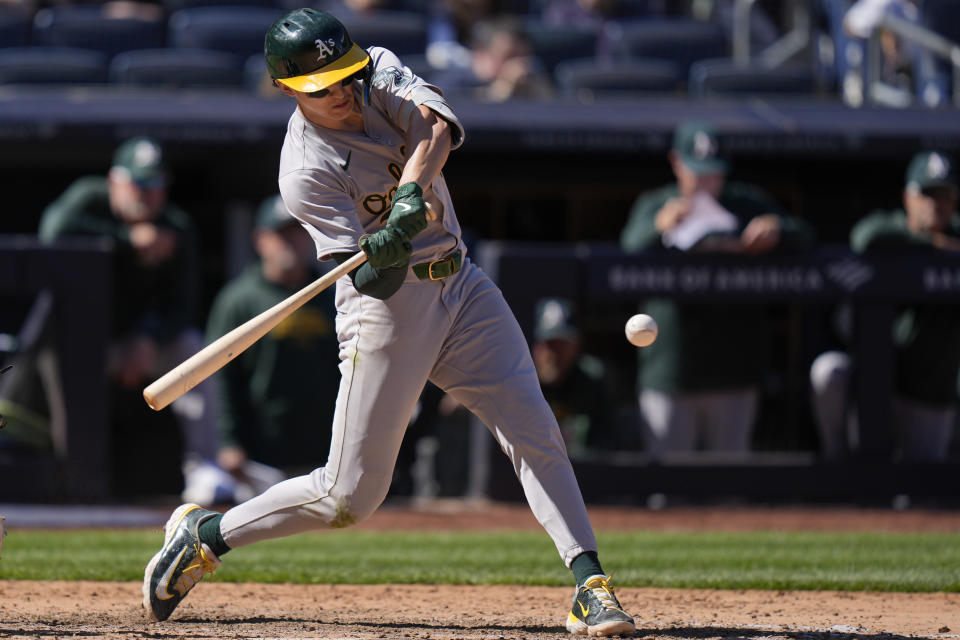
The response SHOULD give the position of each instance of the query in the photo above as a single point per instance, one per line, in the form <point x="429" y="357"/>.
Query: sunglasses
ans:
<point x="323" y="93"/>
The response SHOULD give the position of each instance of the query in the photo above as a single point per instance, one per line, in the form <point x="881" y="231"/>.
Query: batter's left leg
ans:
<point x="486" y="366"/>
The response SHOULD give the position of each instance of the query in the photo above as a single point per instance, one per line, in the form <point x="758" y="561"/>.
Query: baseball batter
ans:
<point x="362" y="157"/>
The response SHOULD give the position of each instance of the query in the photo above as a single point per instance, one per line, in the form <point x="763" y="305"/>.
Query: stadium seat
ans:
<point x="682" y="41"/>
<point x="85" y="26"/>
<point x="399" y="31"/>
<point x="725" y="77"/>
<point x="552" y="45"/>
<point x="52" y="65"/>
<point x="172" y="6"/>
<point x="236" y="30"/>
<point x="176" y="68"/>
<point x="254" y="73"/>
<point x="14" y="29"/>
<point x="943" y="16"/>
<point x="934" y="76"/>
<point x="589" y="77"/>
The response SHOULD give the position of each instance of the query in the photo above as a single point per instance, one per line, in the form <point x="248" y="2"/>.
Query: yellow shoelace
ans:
<point x="603" y="590"/>
<point x="208" y="565"/>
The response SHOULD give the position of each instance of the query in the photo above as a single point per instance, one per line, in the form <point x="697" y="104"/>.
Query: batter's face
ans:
<point x="335" y="107"/>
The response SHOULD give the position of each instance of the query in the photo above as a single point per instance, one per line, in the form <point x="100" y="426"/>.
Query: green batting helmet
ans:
<point x="309" y="50"/>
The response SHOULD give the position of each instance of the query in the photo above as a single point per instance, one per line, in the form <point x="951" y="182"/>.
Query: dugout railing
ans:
<point x="65" y="289"/>
<point x="599" y="276"/>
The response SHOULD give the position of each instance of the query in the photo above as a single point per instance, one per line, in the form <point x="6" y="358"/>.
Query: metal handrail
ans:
<point x="780" y="51"/>
<point x="879" y="91"/>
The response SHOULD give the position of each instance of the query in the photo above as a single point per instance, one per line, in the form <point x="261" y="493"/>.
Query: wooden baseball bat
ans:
<point x="208" y="360"/>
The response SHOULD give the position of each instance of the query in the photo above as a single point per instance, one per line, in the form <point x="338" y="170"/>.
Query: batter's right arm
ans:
<point x="428" y="141"/>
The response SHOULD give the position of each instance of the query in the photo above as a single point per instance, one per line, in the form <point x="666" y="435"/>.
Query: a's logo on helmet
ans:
<point x="325" y="47"/>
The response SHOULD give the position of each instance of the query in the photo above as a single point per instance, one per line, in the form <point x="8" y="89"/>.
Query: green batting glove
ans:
<point x="389" y="247"/>
<point x="408" y="211"/>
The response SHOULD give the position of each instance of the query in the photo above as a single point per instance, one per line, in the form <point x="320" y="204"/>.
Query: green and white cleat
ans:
<point x="179" y="565"/>
<point x="597" y="612"/>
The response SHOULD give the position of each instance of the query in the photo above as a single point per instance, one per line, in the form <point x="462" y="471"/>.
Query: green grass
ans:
<point x="748" y="560"/>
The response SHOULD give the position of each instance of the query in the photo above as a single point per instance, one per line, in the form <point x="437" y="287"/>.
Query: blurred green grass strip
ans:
<point x="741" y="560"/>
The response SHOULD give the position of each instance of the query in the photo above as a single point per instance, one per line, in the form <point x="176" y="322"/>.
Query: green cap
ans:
<point x="142" y="159"/>
<point x="699" y="148"/>
<point x="273" y="214"/>
<point x="931" y="169"/>
<point x="555" y="320"/>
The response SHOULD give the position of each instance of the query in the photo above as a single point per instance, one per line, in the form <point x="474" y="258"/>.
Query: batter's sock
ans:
<point x="209" y="533"/>
<point x="585" y="565"/>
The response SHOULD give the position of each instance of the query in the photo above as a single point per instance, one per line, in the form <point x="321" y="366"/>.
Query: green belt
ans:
<point x="439" y="269"/>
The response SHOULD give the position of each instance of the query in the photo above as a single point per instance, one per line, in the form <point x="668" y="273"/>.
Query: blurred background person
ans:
<point x="898" y="57"/>
<point x="277" y="397"/>
<point x="155" y="275"/>
<point x="595" y="14"/>
<point x="574" y="383"/>
<point x="500" y="66"/>
<point x="700" y="382"/>
<point x="926" y="336"/>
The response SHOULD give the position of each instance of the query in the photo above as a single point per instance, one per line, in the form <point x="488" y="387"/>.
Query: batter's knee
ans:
<point x="360" y="503"/>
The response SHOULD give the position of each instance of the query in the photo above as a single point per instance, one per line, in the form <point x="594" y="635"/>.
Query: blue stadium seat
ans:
<point x="14" y="29"/>
<point x="934" y="75"/>
<point x="254" y="72"/>
<point x="236" y="30"/>
<point x="943" y="16"/>
<point x="172" y="6"/>
<point x="589" y="77"/>
<point x="85" y="26"/>
<point x="552" y="45"/>
<point x="176" y="68"/>
<point x="52" y="65"/>
<point x="725" y="77"/>
<point x="399" y="31"/>
<point x="682" y="41"/>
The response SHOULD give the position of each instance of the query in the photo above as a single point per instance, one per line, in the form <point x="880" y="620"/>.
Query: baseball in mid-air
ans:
<point x="641" y="330"/>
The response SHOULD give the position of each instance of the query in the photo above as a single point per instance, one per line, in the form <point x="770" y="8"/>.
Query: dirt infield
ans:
<point x="224" y="610"/>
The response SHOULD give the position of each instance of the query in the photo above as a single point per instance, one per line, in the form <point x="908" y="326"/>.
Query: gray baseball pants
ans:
<point x="460" y="334"/>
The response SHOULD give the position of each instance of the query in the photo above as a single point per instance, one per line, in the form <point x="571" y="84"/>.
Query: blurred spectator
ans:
<point x="594" y="14"/>
<point x="575" y="384"/>
<point x="156" y="269"/>
<point x="926" y="336"/>
<point x="699" y="383"/>
<point x="897" y="65"/>
<point x="900" y="61"/>
<point x="277" y="397"/>
<point x="500" y="66"/>
<point x="450" y="25"/>
<point x="351" y="8"/>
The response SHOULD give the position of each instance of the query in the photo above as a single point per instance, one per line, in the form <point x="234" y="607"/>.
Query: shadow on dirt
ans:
<point x="735" y="633"/>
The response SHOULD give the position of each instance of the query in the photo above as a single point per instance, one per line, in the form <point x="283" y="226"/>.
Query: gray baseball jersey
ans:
<point x="457" y="332"/>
